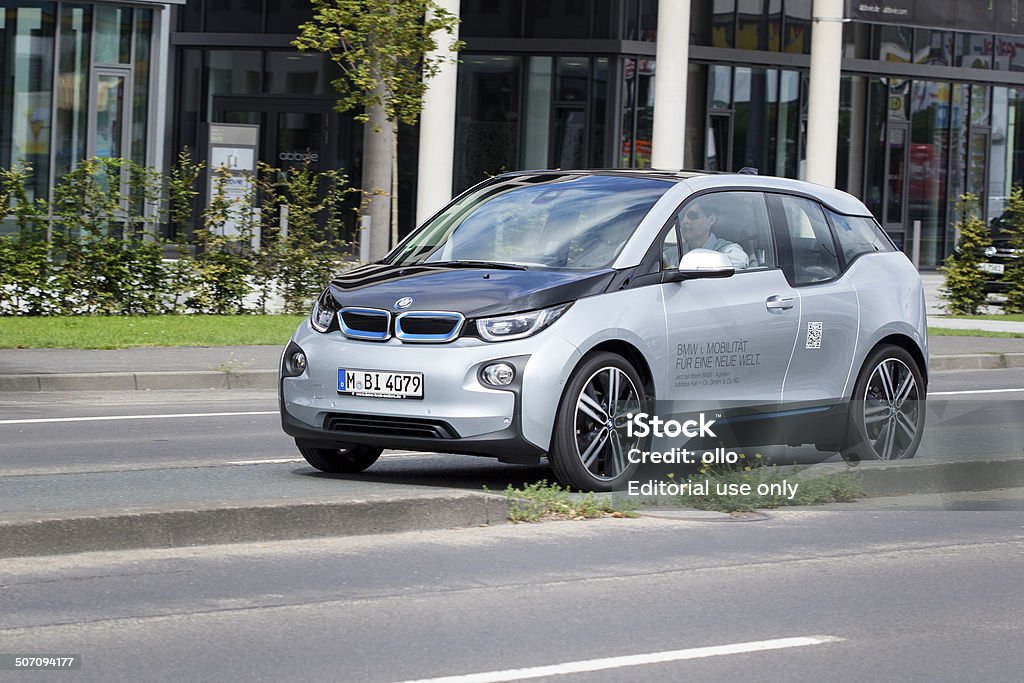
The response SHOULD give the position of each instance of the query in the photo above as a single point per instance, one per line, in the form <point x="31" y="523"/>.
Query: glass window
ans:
<point x="1010" y="53"/>
<point x="233" y="72"/>
<point x="140" y="89"/>
<point x="604" y="13"/>
<point x="853" y="95"/>
<point x="189" y="99"/>
<point x="26" y="89"/>
<point x="571" y="79"/>
<point x="552" y="221"/>
<point x="929" y="155"/>
<point x="959" y="114"/>
<point x="814" y="253"/>
<point x="760" y="25"/>
<point x="859" y="235"/>
<point x="979" y="105"/>
<point x="713" y="23"/>
<point x="72" y="87"/>
<point x="113" y="35"/>
<point x="755" y="94"/>
<point x="798" y="26"/>
<point x="598" y="110"/>
<point x="284" y="16"/>
<point x="734" y="223"/>
<point x="644" y="112"/>
<point x="974" y="50"/>
<point x="564" y="19"/>
<point x="696" y="115"/>
<point x="299" y="73"/>
<point x="933" y="47"/>
<point x="538" y="112"/>
<point x="788" y="125"/>
<point x="491" y="18"/>
<point x="191" y="14"/>
<point x="893" y="43"/>
<point x="234" y="16"/>
<point x="874" y="158"/>
<point x="487" y="118"/>
<point x="649" y="20"/>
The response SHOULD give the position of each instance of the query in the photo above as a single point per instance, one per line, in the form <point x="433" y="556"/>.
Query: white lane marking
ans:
<point x="275" y="461"/>
<point x="282" y="461"/>
<point x="972" y="391"/>
<point x="630" y="660"/>
<point x="105" y="418"/>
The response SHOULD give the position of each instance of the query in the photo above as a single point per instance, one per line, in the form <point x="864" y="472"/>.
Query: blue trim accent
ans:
<point x="772" y="416"/>
<point x="358" y="334"/>
<point x="458" y="318"/>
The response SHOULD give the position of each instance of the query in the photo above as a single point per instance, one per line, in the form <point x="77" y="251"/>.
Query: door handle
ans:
<point x="779" y="303"/>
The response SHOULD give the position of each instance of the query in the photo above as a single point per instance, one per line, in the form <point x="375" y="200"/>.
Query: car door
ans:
<point x="820" y="368"/>
<point x="729" y="340"/>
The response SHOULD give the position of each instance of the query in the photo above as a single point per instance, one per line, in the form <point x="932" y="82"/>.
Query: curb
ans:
<point x="267" y="379"/>
<point x="900" y="478"/>
<point x="141" y="381"/>
<point x="250" y="523"/>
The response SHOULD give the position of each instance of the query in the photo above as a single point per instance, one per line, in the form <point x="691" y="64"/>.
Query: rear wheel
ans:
<point x="340" y="460"/>
<point x="887" y="413"/>
<point x="590" y="443"/>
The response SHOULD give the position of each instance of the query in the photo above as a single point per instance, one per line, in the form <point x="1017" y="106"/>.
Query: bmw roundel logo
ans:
<point x="404" y="302"/>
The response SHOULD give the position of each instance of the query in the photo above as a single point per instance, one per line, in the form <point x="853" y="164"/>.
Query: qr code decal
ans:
<point x="814" y="335"/>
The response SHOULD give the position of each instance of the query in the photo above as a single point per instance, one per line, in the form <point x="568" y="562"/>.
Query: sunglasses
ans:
<point x="693" y="215"/>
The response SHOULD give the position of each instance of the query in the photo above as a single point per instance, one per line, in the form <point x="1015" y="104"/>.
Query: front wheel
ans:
<point x="340" y="460"/>
<point x="590" y="445"/>
<point x="887" y="413"/>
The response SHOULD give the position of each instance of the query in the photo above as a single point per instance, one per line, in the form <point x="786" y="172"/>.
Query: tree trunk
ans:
<point x="378" y="138"/>
<point x="394" y="183"/>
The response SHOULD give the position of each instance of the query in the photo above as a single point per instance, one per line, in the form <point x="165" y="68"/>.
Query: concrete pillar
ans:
<point x="823" y="98"/>
<point x="670" y="84"/>
<point x="437" y="129"/>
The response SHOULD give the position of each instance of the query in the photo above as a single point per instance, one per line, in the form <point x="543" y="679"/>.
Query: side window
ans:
<point x="859" y="235"/>
<point x="734" y="223"/>
<point x="814" y="253"/>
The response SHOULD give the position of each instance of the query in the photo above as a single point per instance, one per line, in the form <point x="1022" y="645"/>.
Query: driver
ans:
<point x="696" y="223"/>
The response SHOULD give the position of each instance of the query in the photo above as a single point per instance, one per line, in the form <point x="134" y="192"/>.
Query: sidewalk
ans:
<point x="255" y="367"/>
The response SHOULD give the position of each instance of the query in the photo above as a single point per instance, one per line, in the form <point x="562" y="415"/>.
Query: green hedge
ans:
<point x="94" y="247"/>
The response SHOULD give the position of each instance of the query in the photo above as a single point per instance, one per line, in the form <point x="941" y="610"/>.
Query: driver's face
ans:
<point x="696" y="226"/>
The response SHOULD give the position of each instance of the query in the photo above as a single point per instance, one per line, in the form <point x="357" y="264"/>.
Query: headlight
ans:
<point x="324" y="311"/>
<point x="518" y="325"/>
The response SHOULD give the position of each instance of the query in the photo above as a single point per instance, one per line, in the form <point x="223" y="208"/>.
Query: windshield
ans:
<point x="550" y="221"/>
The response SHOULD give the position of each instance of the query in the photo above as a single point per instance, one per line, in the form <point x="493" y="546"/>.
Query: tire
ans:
<point x="589" y="444"/>
<point x="886" y="420"/>
<point x="340" y="460"/>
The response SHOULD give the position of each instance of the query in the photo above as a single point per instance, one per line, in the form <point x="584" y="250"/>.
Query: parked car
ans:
<point x="998" y="256"/>
<point x="532" y="316"/>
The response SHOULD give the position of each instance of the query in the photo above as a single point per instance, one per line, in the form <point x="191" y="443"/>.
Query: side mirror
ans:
<point x="701" y="263"/>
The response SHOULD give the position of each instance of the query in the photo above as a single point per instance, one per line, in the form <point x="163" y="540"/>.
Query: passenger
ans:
<point x="696" y="223"/>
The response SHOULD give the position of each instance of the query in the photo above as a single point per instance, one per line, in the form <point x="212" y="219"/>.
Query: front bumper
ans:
<point x="457" y="413"/>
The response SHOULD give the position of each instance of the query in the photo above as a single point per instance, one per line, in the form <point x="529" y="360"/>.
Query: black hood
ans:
<point x="473" y="292"/>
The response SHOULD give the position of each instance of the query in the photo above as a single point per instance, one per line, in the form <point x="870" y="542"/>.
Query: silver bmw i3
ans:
<point x="539" y="313"/>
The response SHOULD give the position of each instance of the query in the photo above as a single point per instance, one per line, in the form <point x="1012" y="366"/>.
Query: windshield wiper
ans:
<point x="476" y="264"/>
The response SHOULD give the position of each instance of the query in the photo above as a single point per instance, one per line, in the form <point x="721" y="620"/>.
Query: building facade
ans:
<point x="929" y="99"/>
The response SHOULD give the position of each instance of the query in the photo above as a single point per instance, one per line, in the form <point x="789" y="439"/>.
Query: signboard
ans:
<point x="984" y="16"/>
<point x="233" y="147"/>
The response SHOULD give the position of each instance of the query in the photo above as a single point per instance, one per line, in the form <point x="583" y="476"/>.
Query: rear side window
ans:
<point x="859" y="235"/>
<point x="814" y="253"/>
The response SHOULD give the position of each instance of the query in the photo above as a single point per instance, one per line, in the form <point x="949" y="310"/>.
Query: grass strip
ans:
<point x="948" y="332"/>
<point x="122" y="332"/>
<point x="1008" y="317"/>
<point x="542" y="501"/>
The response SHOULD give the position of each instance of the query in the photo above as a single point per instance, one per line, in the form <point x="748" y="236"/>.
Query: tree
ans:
<point x="964" y="289"/>
<point x="1014" y="274"/>
<point x="385" y="49"/>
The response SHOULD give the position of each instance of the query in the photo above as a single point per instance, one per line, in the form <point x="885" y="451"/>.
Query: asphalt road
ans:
<point x="241" y="426"/>
<point x="870" y="596"/>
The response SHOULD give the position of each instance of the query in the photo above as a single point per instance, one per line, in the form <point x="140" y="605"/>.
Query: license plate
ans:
<point x="380" y="383"/>
<point x="997" y="268"/>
